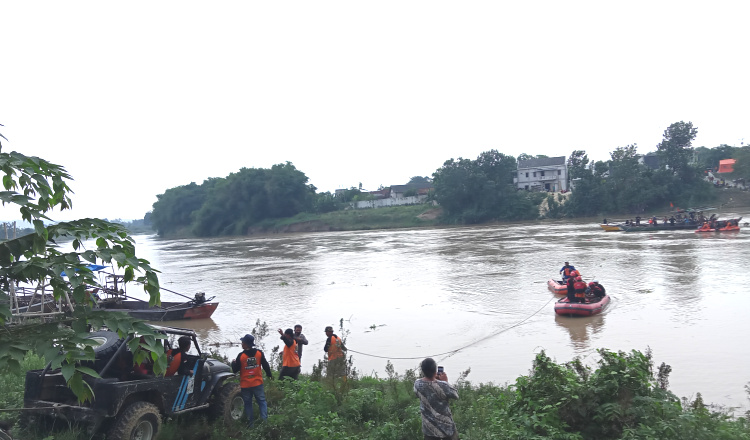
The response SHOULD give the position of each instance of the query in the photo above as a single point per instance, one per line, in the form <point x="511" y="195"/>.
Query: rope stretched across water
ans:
<point x="452" y="352"/>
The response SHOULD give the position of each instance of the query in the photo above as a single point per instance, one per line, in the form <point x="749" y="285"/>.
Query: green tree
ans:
<point x="497" y="167"/>
<point x="742" y="163"/>
<point x="38" y="187"/>
<point x="473" y="191"/>
<point x="418" y="180"/>
<point x="225" y="206"/>
<point x="710" y="157"/>
<point x="324" y="202"/>
<point x="675" y="149"/>
<point x="577" y="162"/>
<point x="174" y="209"/>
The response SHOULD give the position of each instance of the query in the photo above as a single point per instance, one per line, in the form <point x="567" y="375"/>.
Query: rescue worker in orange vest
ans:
<point x="290" y="366"/>
<point x="566" y="270"/>
<point x="177" y="360"/>
<point x="571" y="286"/>
<point x="249" y="363"/>
<point x="335" y="349"/>
<point x="580" y="290"/>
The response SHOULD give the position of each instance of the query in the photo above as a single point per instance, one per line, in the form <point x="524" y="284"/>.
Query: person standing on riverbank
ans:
<point x="290" y="366"/>
<point x="335" y="349"/>
<point x="248" y="363"/>
<point x="301" y="340"/>
<point x="434" y="393"/>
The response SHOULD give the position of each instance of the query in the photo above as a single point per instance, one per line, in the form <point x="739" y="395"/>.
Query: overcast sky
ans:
<point x="134" y="98"/>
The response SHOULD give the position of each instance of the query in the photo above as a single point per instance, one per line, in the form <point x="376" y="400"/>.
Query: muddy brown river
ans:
<point x="476" y="297"/>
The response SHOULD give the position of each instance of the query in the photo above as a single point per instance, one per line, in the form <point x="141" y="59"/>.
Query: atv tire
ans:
<point x="139" y="421"/>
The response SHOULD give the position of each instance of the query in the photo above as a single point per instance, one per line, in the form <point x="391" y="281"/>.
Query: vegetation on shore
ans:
<point x="625" y="397"/>
<point x="468" y="191"/>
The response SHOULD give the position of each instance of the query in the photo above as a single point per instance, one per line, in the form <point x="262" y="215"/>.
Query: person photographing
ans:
<point x="434" y="393"/>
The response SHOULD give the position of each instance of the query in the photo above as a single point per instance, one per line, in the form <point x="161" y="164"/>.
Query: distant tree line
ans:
<point x="231" y="205"/>
<point x="624" y="185"/>
<point x="469" y="191"/>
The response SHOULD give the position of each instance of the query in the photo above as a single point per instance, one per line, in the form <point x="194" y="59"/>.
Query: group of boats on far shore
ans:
<point x="693" y="219"/>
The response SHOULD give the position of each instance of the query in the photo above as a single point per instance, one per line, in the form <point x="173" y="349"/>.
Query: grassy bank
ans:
<point x="625" y="397"/>
<point x="413" y="216"/>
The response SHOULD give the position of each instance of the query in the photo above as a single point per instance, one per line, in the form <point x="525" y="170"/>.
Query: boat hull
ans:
<point x="565" y="308"/>
<point x="611" y="228"/>
<point x="169" y="311"/>
<point x="557" y="287"/>
<point x="724" y="229"/>
<point x="662" y="227"/>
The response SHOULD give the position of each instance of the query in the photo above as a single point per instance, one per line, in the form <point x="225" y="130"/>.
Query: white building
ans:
<point x="548" y="174"/>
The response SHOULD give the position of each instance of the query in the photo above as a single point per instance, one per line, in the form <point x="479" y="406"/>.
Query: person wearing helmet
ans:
<point x="597" y="289"/>
<point x="579" y="288"/>
<point x="570" y="283"/>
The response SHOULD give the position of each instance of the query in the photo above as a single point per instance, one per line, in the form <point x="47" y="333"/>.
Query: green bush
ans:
<point x="623" y="397"/>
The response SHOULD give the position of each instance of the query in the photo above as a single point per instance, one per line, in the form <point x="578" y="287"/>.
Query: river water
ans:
<point x="408" y="294"/>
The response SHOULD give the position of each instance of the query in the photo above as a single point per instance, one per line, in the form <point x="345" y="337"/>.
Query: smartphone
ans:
<point x="440" y="370"/>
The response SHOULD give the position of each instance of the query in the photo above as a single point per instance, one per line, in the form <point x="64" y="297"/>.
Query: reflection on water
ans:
<point x="205" y="329"/>
<point x="580" y="328"/>
<point x="433" y="291"/>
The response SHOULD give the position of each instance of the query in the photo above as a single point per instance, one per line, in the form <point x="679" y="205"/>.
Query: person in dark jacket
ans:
<point x="300" y="338"/>
<point x="248" y="364"/>
<point x="597" y="289"/>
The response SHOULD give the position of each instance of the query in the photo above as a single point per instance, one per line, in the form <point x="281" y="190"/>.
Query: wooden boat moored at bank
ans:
<point x="166" y="311"/>
<point x="113" y="298"/>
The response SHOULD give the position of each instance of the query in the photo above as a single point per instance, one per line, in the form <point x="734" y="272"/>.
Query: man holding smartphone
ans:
<point x="434" y="392"/>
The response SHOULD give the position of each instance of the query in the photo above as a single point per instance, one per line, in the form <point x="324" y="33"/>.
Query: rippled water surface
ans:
<point x="482" y="291"/>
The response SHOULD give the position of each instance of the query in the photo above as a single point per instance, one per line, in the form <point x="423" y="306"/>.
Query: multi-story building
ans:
<point x="548" y="174"/>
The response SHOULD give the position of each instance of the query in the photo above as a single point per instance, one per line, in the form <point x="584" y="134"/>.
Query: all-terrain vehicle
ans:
<point x="127" y="405"/>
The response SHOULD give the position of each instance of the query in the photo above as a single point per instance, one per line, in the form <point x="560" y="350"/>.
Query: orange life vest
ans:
<point x="174" y="365"/>
<point x="580" y="289"/>
<point x="290" y="356"/>
<point x="334" y="351"/>
<point x="250" y="372"/>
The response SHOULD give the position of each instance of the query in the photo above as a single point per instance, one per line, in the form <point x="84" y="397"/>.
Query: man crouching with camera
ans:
<point x="434" y="392"/>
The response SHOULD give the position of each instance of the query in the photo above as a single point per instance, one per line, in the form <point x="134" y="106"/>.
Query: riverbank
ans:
<point x="413" y="216"/>
<point x="625" y="397"/>
<point x="417" y="216"/>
